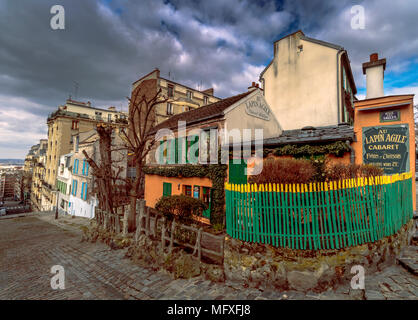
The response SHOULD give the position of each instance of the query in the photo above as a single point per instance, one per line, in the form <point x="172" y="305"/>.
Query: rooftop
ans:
<point x="209" y="111"/>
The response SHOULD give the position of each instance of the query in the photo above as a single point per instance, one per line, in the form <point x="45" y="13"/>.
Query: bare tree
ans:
<point x="106" y="172"/>
<point x="139" y="140"/>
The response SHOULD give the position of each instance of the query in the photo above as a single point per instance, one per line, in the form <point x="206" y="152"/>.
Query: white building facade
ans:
<point x="64" y="183"/>
<point x="309" y="83"/>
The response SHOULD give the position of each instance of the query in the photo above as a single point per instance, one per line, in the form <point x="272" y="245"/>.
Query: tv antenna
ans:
<point x="76" y="85"/>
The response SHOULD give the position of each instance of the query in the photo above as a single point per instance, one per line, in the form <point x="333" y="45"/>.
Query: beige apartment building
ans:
<point x="34" y="161"/>
<point x="309" y="82"/>
<point x="63" y="126"/>
<point x="181" y="98"/>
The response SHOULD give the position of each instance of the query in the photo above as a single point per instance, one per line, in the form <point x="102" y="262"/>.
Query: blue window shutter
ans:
<point x="75" y="190"/>
<point x="84" y="166"/>
<point x="82" y="190"/>
<point x="77" y="165"/>
<point x="85" y="192"/>
<point x="87" y="168"/>
<point x="192" y="142"/>
<point x="75" y="161"/>
<point x="176" y="151"/>
<point x="180" y="150"/>
<point x="171" y="154"/>
<point x="161" y="155"/>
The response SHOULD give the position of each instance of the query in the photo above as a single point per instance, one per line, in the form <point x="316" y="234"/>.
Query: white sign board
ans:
<point x="256" y="107"/>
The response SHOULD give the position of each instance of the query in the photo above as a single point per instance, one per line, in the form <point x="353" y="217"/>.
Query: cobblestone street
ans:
<point x="29" y="247"/>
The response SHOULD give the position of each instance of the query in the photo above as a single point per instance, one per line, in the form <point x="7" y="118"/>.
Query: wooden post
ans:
<point x="147" y="221"/>
<point x="117" y="224"/>
<point x="125" y="220"/>
<point x="173" y="227"/>
<point x="222" y="248"/>
<point x="139" y="218"/>
<point x="198" y="246"/>
<point x="104" y="220"/>
<point x="155" y="226"/>
<point x="163" y="235"/>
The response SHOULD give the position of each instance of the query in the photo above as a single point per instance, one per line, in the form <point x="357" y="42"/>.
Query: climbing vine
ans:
<point x="337" y="148"/>
<point x="215" y="172"/>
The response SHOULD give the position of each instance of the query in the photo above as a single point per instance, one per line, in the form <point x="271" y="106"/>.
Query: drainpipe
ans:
<point x="338" y="85"/>
<point x="352" y="152"/>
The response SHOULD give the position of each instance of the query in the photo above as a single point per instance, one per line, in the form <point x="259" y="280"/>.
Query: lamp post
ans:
<point x="56" y="206"/>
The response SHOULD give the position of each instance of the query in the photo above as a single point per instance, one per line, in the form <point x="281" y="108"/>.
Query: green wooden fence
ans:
<point x="326" y="215"/>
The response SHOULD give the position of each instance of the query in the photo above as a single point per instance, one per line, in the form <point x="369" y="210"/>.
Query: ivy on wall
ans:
<point x="215" y="172"/>
<point x="337" y="148"/>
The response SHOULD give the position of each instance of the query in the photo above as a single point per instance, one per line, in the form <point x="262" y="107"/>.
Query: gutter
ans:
<point x="352" y="152"/>
<point x="338" y="85"/>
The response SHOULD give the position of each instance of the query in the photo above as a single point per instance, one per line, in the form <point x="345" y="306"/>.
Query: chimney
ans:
<point x="374" y="71"/>
<point x="112" y="108"/>
<point x="253" y="86"/>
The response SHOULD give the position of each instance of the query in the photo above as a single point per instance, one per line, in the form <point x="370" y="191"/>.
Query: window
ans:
<point x="208" y="146"/>
<point x="192" y="149"/>
<point x="85" y="168"/>
<point x="166" y="189"/>
<point x="109" y="117"/>
<point x="170" y="90"/>
<point x="205" y="100"/>
<point x="189" y="95"/>
<point x="187" y="190"/>
<point x="206" y="195"/>
<point x="74" y="125"/>
<point x="169" y="108"/>
<point x="196" y="192"/>
<point x="75" y="167"/>
<point x="74" y="188"/>
<point x="98" y="115"/>
<point x="83" y="194"/>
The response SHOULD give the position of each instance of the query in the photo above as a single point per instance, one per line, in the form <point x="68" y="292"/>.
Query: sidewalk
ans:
<point x="67" y="222"/>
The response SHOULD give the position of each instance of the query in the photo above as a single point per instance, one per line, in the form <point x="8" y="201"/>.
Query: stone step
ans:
<point x="409" y="259"/>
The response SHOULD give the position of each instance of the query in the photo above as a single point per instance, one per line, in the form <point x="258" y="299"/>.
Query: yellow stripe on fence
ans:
<point x="318" y="186"/>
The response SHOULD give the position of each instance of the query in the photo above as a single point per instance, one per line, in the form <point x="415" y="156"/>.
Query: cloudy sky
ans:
<point x="108" y="44"/>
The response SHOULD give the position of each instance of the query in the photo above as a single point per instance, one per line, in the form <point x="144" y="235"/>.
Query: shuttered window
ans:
<point x="166" y="189"/>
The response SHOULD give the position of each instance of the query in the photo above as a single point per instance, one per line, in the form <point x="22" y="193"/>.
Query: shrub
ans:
<point x="347" y="171"/>
<point x="180" y="207"/>
<point x="369" y="170"/>
<point x="284" y="170"/>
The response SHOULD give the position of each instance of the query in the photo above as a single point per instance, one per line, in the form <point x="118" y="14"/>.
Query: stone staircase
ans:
<point x="409" y="256"/>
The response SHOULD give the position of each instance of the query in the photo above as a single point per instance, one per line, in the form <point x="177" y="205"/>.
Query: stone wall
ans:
<point x="265" y="266"/>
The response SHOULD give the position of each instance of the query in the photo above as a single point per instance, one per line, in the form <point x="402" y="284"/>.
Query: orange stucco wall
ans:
<point x="368" y="118"/>
<point x="154" y="186"/>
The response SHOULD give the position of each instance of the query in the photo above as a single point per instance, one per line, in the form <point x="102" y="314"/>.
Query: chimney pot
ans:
<point x="374" y="71"/>
<point x="374" y="57"/>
